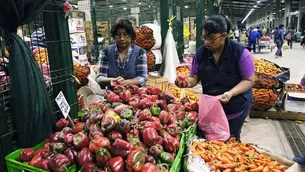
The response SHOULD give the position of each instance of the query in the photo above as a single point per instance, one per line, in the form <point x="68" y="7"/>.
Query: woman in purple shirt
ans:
<point x="226" y="69"/>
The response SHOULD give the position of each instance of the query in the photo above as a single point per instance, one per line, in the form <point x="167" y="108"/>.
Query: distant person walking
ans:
<point x="237" y="35"/>
<point x="289" y="36"/>
<point x="38" y="38"/>
<point x="279" y="40"/>
<point x="253" y="37"/>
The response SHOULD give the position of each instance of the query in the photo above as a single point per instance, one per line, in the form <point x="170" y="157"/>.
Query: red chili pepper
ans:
<point x="151" y="137"/>
<point x="115" y="164"/>
<point x="135" y="161"/>
<point x="99" y="142"/>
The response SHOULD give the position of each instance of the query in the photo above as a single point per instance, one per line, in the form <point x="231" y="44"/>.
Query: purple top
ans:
<point x="246" y="67"/>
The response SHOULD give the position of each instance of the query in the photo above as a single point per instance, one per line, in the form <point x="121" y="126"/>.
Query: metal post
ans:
<point x="163" y="19"/>
<point x="200" y="17"/>
<point x="211" y="7"/>
<point x="94" y="27"/>
<point x="277" y="13"/>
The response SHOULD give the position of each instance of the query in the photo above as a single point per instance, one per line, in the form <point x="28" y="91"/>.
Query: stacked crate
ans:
<point x="102" y="31"/>
<point x="89" y="36"/>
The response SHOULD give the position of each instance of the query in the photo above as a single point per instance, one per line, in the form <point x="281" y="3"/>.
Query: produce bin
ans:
<point x="185" y="136"/>
<point x="159" y="82"/>
<point x="15" y="166"/>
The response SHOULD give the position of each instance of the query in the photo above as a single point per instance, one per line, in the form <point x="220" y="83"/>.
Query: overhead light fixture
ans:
<point x="258" y="2"/>
<point x="149" y="6"/>
<point x="124" y="8"/>
<point x="283" y="9"/>
<point x="186" y="6"/>
<point x="247" y="15"/>
<point x="273" y="13"/>
<point x="280" y="10"/>
<point x="255" y="6"/>
<point x="110" y="6"/>
<point x="282" y="1"/>
<point x="140" y="3"/>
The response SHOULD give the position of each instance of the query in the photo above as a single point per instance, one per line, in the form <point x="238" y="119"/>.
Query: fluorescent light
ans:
<point x="186" y="6"/>
<point x="110" y="6"/>
<point x="124" y="8"/>
<point x="280" y="10"/>
<point x="273" y="13"/>
<point x="149" y="6"/>
<point x="255" y="6"/>
<point x="283" y="9"/>
<point x="247" y="16"/>
<point x="282" y="1"/>
<point x="140" y="3"/>
<point x="258" y="2"/>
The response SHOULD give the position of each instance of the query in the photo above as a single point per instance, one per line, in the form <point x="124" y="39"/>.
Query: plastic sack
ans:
<point x="285" y="46"/>
<point x="212" y="119"/>
<point x="170" y="56"/>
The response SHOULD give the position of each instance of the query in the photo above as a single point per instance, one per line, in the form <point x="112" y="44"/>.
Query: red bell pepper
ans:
<point x="194" y="106"/>
<point x="26" y="155"/>
<point x="151" y="137"/>
<point x="144" y="115"/>
<point x="108" y="124"/>
<point x="93" y="133"/>
<point x="83" y="115"/>
<point x="149" y="167"/>
<point x="89" y="167"/>
<point x="94" y="127"/>
<point x="122" y="126"/>
<point x="78" y="127"/>
<point x="68" y="139"/>
<point x="147" y="124"/>
<point x="119" y="108"/>
<point x="55" y="137"/>
<point x="125" y="96"/>
<point x="192" y="116"/>
<point x="145" y="103"/>
<point x="188" y="107"/>
<point x="170" y="144"/>
<point x="164" y="117"/>
<point x="118" y="89"/>
<point x="121" y="148"/>
<point x="126" y="114"/>
<point x="115" y="164"/>
<point x="84" y="156"/>
<point x="62" y="123"/>
<point x="169" y="99"/>
<point x="155" y="150"/>
<point x="172" y="129"/>
<point x="162" y="104"/>
<point x="180" y="115"/>
<point x="150" y="159"/>
<point x="96" y="115"/>
<point x="80" y="140"/>
<point x="135" y="161"/>
<point x="59" y="163"/>
<point x="154" y="90"/>
<point x="162" y="96"/>
<point x="71" y="154"/>
<point x="113" y="135"/>
<point x="134" y="102"/>
<point x="133" y="89"/>
<point x="39" y="162"/>
<point x="58" y="147"/>
<point x="102" y="155"/>
<point x="142" y="90"/>
<point x="113" y="98"/>
<point x="99" y="142"/>
<point x="132" y="134"/>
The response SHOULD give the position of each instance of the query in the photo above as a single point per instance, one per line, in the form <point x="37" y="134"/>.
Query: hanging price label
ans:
<point x="63" y="104"/>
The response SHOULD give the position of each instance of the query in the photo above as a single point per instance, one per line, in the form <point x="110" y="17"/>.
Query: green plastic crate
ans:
<point x="16" y="166"/>
<point x="191" y="131"/>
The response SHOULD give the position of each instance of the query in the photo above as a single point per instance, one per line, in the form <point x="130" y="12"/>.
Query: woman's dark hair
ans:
<point x="217" y="24"/>
<point x="281" y="26"/>
<point x="123" y="23"/>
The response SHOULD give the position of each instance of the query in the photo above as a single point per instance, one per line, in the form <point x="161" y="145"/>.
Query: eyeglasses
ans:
<point x="124" y="35"/>
<point x="210" y="39"/>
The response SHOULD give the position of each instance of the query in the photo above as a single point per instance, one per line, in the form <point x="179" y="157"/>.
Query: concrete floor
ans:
<point x="268" y="133"/>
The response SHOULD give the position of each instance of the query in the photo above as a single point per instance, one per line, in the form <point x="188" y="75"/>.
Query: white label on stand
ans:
<point x="63" y="104"/>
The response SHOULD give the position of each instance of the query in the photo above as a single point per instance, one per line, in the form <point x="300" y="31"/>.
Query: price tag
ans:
<point x="63" y="104"/>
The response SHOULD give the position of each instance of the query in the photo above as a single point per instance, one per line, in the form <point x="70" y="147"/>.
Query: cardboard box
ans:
<point x="78" y="39"/>
<point x="294" y="102"/>
<point x="76" y="25"/>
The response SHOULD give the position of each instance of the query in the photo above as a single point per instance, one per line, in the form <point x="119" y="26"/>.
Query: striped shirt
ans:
<point x="37" y="39"/>
<point x="142" y="72"/>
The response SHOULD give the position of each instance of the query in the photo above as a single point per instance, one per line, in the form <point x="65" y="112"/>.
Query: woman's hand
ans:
<point x="118" y="81"/>
<point x="226" y="97"/>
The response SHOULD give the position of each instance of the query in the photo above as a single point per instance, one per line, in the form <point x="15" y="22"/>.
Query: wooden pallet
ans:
<point x="277" y="115"/>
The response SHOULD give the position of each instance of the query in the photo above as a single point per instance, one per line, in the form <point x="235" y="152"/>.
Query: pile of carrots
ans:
<point x="264" y="99"/>
<point x="233" y="156"/>
<point x="266" y="67"/>
<point x="41" y="56"/>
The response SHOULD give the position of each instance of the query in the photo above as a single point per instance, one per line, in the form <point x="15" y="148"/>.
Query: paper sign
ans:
<point x="63" y="104"/>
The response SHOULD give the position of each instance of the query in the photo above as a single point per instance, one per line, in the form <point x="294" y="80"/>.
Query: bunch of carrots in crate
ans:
<point x="233" y="156"/>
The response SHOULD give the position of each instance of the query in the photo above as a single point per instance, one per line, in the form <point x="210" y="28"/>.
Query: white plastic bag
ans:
<point x="158" y="56"/>
<point x="170" y="56"/>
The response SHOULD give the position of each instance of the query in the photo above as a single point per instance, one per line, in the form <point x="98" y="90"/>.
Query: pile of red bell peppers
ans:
<point x="134" y="129"/>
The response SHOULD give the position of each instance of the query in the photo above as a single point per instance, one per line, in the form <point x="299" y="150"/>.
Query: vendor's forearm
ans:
<point x="133" y="81"/>
<point x="105" y="81"/>
<point x="241" y="87"/>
